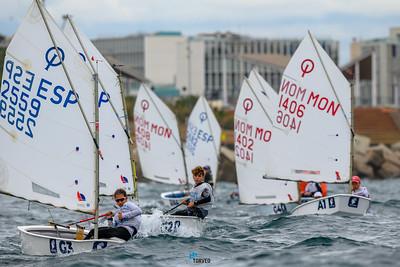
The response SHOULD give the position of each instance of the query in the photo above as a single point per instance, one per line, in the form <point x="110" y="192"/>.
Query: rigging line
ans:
<point x="68" y="17"/>
<point x="330" y="83"/>
<point x="176" y="140"/>
<point x="130" y="142"/>
<point x="67" y="74"/>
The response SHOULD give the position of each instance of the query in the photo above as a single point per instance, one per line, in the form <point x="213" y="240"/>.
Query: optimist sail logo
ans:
<point x="52" y="58"/>
<point x="80" y="196"/>
<point x="124" y="179"/>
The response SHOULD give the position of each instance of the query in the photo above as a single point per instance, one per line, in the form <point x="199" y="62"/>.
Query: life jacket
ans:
<point x="322" y="187"/>
<point x="202" y="191"/>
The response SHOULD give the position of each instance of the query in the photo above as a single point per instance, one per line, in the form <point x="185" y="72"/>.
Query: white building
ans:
<point x="208" y="64"/>
<point x="375" y="70"/>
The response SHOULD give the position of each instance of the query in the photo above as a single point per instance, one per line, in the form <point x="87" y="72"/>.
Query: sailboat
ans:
<point x="202" y="147"/>
<point x="253" y="129"/>
<point x="49" y="132"/>
<point x="161" y="158"/>
<point x="117" y="169"/>
<point x="314" y="113"/>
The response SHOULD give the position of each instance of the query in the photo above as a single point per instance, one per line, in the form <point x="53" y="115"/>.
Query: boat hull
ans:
<point x="43" y="240"/>
<point x="173" y="198"/>
<point x="181" y="226"/>
<point x="340" y="204"/>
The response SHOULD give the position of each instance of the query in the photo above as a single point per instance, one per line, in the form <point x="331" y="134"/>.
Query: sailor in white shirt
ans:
<point x="357" y="189"/>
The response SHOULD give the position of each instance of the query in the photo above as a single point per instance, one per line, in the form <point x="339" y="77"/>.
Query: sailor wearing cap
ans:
<point x="357" y="189"/>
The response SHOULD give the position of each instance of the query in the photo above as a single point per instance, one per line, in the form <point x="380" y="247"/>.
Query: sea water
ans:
<point x="236" y="235"/>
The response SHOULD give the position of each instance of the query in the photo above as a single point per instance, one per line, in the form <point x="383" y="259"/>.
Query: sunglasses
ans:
<point x="120" y="199"/>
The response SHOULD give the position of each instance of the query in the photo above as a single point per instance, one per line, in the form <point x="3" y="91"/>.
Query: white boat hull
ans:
<point x="272" y="209"/>
<point x="181" y="226"/>
<point x="42" y="240"/>
<point x="173" y="198"/>
<point x="340" y="204"/>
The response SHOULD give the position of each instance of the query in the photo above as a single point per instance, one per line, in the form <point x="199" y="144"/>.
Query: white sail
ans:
<point x="314" y="109"/>
<point x="115" y="168"/>
<point x="202" y="139"/>
<point x="157" y="139"/>
<point x="253" y="130"/>
<point x="47" y="153"/>
<point x="261" y="85"/>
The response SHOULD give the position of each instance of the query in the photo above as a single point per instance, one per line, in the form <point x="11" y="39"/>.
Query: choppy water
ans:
<point x="236" y="235"/>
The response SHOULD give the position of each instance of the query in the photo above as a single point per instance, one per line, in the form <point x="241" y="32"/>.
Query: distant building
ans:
<point x="229" y="57"/>
<point x="207" y="64"/>
<point x="375" y="70"/>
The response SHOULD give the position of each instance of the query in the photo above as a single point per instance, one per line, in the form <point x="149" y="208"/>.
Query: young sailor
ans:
<point x="357" y="189"/>
<point x="126" y="219"/>
<point x="201" y="196"/>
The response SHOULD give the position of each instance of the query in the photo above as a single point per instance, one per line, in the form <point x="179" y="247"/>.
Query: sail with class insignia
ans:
<point x="41" y="123"/>
<point x="203" y="140"/>
<point x="253" y="129"/>
<point x="157" y="139"/>
<point x="115" y="168"/>
<point x="314" y="112"/>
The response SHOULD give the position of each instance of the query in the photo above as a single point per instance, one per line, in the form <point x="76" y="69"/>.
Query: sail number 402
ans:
<point x="244" y="147"/>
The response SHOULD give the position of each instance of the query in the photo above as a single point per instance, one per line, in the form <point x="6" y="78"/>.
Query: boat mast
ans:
<point x="96" y="153"/>
<point x="130" y="143"/>
<point x="185" y="166"/>
<point x="351" y="136"/>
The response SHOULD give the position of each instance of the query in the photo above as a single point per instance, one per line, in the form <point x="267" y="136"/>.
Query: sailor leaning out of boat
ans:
<point x="357" y="189"/>
<point x="126" y="219"/>
<point x="200" y="196"/>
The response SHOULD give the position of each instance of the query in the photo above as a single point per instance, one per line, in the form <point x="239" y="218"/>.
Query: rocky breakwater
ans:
<point x="375" y="161"/>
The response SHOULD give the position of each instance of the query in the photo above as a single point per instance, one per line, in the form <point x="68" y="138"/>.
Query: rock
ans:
<point x="363" y="169"/>
<point x="361" y="144"/>
<point x="384" y="155"/>
<point x="388" y="170"/>
<point x="375" y="158"/>
<point x="396" y="147"/>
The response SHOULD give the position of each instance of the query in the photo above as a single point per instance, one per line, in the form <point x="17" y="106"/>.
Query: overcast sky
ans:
<point x="335" y="19"/>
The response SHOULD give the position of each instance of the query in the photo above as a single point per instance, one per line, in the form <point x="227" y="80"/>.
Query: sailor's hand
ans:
<point x="120" y="215"/>
<point x="109" y="214"/>
<point x="185" y="201"/>
<point x="190" y="205"/>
